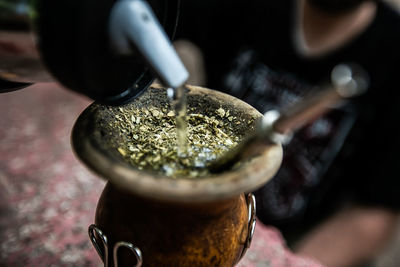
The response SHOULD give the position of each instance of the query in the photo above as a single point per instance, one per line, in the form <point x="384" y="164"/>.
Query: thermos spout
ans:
<point x="133" y="25"/>
<point x="101" y="49"/>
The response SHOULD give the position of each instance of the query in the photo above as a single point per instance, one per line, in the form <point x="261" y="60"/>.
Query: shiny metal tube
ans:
<point x="19" y="58"/>
<point x="277" y="127"/>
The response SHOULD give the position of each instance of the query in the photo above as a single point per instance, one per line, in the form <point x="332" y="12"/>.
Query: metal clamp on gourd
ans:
<point x="251" y="207"/>
<point x="93" y="230"/>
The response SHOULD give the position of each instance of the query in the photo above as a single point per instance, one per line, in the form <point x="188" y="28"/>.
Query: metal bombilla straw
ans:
<point x="278" y="127"/>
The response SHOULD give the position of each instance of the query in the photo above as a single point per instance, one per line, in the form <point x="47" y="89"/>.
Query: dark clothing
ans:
<point x="348" y="155"/>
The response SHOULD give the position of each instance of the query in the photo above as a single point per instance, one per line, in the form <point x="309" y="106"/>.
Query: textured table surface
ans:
<point x="48" y="198"/>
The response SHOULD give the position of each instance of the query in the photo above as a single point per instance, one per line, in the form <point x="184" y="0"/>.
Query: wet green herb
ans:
<point x="149" y="139"/>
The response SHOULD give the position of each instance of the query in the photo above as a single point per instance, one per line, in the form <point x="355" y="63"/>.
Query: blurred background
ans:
<point x="47" y="197"/>
<point x="391" y="256"/>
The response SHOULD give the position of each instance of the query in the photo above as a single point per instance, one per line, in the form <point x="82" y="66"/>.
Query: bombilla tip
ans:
<point x="349" y="80"/>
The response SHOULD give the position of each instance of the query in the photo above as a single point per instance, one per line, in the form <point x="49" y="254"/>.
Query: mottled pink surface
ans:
<point x="268" y="249"/>
<point x="48" y="198"/>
